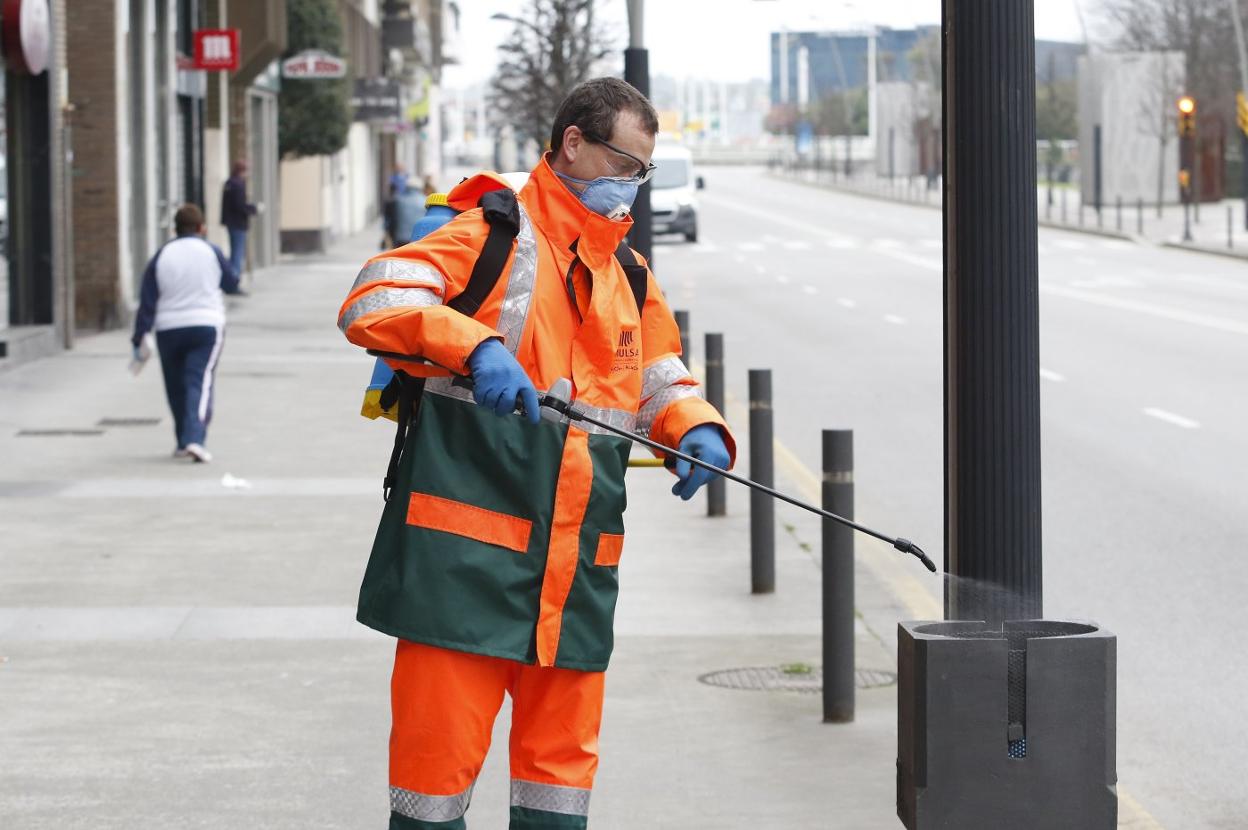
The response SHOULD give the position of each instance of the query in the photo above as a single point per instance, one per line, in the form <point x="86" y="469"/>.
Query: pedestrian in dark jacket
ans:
<point x="181" y="299"/>
<point x="236" y="213"/>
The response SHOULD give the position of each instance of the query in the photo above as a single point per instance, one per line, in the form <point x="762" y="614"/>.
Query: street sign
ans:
<point x="27" y="34"/>
<point x="217" y="50"/>
<point x="311" y="64"/>
<point x="376" y="99"/>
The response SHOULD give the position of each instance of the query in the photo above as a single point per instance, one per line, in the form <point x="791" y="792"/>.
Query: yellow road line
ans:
<point x="889" y="568"/>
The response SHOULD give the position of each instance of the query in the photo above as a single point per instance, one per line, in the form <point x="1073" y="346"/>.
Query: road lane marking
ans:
<point x="782" y="279"/>
<point x="886" y="244"/>
<point x="1046" y="374"/>
<point x="1070" y="244"/>
<point x="738" y="258"/>
<point x="1105" y="282"/>
<point x="846" y="302"/>
<point x="760" y="269"/>
<point x="750" y="247"/>
<point x="1085" y="260"/>
<point x="842" y="243"/>
<point x="937" y="244"/>
<point x="1171" y="418"/>
<point x="796" y="245"/>
<point x="1117" y="245"/>
<point x="810" y="289"/>
<point x="1207" y="321"/>
<point x="894" y="319"/>
<point x="930" y="263"/>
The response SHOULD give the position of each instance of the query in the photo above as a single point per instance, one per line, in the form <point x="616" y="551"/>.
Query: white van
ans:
<point x="673" y="192"/>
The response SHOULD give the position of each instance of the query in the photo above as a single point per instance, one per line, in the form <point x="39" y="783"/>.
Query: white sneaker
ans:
<point x="198" y="453"/>
<point x="181" y="452"/>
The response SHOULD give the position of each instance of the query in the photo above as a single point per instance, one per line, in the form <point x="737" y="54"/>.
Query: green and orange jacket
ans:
<point x="504" y="538"/>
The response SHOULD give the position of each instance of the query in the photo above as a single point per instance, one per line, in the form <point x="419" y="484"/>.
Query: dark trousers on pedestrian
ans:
<point x="188" y="360"/>
<point x="238" y="250"/>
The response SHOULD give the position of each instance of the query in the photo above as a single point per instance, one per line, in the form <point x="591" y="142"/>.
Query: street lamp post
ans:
<point x="992" y="370"/>
<point x="637" y="73"/>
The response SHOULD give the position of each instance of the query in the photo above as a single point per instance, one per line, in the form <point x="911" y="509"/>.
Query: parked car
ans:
<point x="673" y="192"/>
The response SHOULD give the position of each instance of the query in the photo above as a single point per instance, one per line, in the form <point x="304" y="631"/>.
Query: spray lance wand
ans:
<point x="557" y="404"/>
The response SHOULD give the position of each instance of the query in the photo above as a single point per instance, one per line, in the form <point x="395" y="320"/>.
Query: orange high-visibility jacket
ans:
<point x="507" y="539"/>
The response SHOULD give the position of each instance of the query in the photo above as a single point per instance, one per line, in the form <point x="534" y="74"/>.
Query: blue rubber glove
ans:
<point x="706" y="443"/>
<point x="498" y="381"/>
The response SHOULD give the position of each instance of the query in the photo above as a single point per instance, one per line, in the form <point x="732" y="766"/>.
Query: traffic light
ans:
<point x="1187" y="116"/>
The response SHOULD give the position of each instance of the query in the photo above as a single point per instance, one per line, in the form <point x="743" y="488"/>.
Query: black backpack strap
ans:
<point x="502" y="213"/>
<point x="638" y="279"/>
<point x="408" y="390"/>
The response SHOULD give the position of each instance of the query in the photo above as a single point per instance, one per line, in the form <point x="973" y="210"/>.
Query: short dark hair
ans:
<point x="188" y="219"/>
<point x="593" y="106"/>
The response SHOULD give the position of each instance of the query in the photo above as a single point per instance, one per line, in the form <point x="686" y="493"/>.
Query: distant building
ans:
<point x="807" y="66"/>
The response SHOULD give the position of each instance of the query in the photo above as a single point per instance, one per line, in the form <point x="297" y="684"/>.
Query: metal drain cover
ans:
<point x="778" y="679"/>
<point x="127" y="422"/>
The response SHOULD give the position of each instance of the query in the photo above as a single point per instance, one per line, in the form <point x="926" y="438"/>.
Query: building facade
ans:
<point x="151" y="132"/>
<point x="36" y="293"/>
<point x="394" y="51"/>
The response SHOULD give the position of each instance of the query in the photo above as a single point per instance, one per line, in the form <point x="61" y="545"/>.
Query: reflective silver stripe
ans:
<point x="400" y="270"/>
<point x="663" y="373"/>
<point x="572" y="801"/>
<point x="520" y="282"/>
<point x="429" y="807"/>
<point x="617" y="418"/>
<point x="442" y="386"/>
<point x="651" y="409"/>
<point x="384" y="298"/>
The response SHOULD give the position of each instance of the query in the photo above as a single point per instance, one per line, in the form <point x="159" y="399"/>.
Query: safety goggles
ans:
<point x="644" y="171"/>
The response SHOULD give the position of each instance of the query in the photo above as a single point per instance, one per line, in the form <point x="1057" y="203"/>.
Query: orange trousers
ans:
<point x="444" y="703"/>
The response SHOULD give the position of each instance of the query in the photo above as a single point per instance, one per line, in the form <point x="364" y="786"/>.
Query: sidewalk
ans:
<point x="1209" y="229"/>
<point x="177" y="644"/>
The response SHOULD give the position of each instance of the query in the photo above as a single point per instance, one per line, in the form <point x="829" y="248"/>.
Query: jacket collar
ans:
<point x="564" y="220"/>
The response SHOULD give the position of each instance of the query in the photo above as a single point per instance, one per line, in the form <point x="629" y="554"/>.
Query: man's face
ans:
<point x="583" y="157"/>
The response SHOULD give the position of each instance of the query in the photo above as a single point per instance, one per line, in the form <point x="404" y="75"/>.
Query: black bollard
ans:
<point x="682" y="323"/>
<point x="838" y="577"/>
<point x="716" y="489"/>
<point x="762" y="470"/>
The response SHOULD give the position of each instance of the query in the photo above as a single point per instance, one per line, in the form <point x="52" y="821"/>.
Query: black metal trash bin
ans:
<point x="1006" y="727"/>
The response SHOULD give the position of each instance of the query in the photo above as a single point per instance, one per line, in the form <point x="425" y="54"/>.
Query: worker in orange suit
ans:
<point x="495" y="563"/>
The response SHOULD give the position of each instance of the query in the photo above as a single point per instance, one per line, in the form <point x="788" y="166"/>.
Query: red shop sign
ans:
<point x="217" y="50"/>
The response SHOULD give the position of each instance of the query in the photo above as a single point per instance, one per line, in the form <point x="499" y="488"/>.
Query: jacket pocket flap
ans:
<point x="469" y="521"/>
<point x="610" y="546"/>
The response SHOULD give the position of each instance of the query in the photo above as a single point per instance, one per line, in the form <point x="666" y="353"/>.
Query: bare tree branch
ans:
<point x="555" y="45"/>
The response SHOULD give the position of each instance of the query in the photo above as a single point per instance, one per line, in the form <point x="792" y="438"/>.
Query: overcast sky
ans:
<point x="727" y="39"/>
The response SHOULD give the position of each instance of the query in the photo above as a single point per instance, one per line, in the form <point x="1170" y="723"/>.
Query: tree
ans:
<point x="313" y="115"/>
<point x="1202" y="30"/>
<point x="554" y="46"/>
